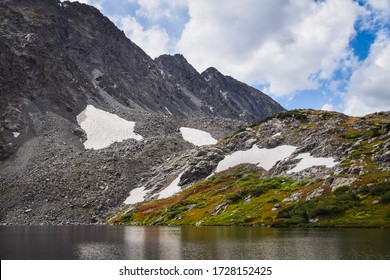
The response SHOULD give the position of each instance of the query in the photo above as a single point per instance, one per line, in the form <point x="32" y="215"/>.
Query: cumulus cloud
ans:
<point x="159" y="9"/>
<point x="383" y="5"/>
<point x="327" y="107"/>
<point x="368" y="89"/>
<point x="287" y="45"/>
<point x="153" y="40"/>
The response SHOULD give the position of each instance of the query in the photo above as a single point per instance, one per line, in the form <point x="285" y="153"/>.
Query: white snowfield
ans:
<point x="172" y="189"/>
<point x="309" y="161"/>
<point x="136" y="195"/>
<point x="265" y="158"/>
<point x="103" y="128"/>
<point x="197" y="137"/>
<point x="16" y="134"/>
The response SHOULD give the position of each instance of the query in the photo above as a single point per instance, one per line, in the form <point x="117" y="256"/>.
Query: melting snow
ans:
<point x="309" y="161"/>
<point x="16" y="134"/>
<point x="104" y="128"/>
<point x="265" y="158"/>
<point x="197" y="137"/>
<point x="171" y="189"/>
<point x="136" y="195"/>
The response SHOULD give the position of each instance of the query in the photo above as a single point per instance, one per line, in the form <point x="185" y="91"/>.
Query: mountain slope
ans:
<point x="300" y="168"/>
<point x="66" y="69"/>
<point x="60" y="57"/>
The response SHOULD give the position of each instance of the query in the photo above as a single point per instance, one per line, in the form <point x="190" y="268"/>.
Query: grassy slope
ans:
<point x="245" y="198"/>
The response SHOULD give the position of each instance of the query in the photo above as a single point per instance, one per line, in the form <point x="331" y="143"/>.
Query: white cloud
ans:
<point x="159" y="9"/>
<point x="368" y="89"/>
<point x="327" y="107"/>
<point x="153" y="40"/>
<point x="383" y="5"/>
<point x="288" y="45"/>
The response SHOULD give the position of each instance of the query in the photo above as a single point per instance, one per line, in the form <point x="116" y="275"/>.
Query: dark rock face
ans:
<point x="58" y="57"/>
<point x="219" y="95"/>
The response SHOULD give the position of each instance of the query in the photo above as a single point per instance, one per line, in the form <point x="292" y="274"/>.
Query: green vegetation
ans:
<point x="243" y="197"/>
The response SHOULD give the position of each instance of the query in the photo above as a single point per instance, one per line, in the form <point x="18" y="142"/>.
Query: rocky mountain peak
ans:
<point x="212" y="73"/>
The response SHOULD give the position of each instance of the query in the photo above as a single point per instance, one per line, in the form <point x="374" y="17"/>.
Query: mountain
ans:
<point x="86" y="115"/>
<point x="222" y="95"/>
<point x="300" y="168"/>
<point x="59" y="57"/>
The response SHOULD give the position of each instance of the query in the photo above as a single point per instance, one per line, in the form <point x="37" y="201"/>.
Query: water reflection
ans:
<point x="114" y="242"/>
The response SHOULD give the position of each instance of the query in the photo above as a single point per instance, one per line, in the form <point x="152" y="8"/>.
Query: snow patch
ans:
<point x="172" y="189"/>
<point x="309" y="161"/>
<point x="103" y="128"/>
<point x="276" y="135"/>
<point x="197" y="137"/>
<point x="265" y="158"/>
<point x="169" y="112"/>
<point x="16" y="134"/>
<point x="137" y="195"/>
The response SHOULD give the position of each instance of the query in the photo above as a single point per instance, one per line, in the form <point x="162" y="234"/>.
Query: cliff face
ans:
<point x="56" y="58"/>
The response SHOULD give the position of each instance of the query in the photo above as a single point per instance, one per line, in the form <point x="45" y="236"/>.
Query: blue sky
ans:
<point x="328" y="54"/>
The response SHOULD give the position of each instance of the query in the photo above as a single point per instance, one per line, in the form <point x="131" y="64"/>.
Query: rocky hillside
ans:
<point x="70" y="80"/>
<point x="299" y="168"/>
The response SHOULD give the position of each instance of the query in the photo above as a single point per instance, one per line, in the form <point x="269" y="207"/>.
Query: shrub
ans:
<point x="328" y="206"/>
<point x="272" y="200"/>
<point x="377" y="189"/>
<point x="385" y="198"/>
<point x="341" y="190"/>
<point x="200" y="205"/>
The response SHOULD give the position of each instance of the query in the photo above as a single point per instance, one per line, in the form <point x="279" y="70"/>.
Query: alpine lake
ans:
<point x="191" y="243"/>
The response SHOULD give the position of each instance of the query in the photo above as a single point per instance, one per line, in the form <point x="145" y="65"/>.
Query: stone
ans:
<point x="247" y="199"/>
<point x="341" y="181"/>
<point x="315" y="193"/>
<point x="294" y="197"/>
<point x="220" y="208"/>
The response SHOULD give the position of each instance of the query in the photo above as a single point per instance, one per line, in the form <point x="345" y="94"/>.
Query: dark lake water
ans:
<point x="116" y="242"/>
